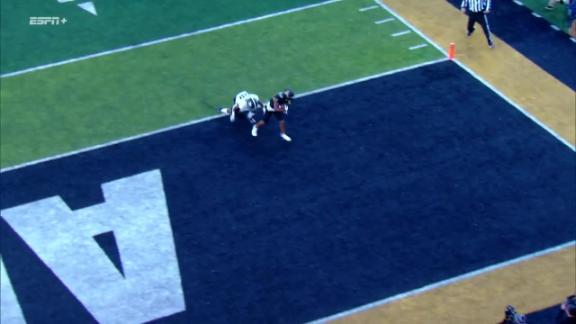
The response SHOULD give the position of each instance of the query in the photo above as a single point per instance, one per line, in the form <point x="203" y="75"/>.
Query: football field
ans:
<point x="127" y="198"/>
<point x="126" y="93"/>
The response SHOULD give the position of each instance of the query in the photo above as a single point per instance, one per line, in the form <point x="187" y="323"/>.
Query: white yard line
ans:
<point x="510" y="101"/>
<point x="166" y="39"/>
<point x="405" y="22"/>
<point x="417" y="46"/>
<point x="404" y="32"/>
<point x="162" y="130"/>
<point x="383" y="21"/>
<point x="443" y="283"/>
<point x="368" y="8"/>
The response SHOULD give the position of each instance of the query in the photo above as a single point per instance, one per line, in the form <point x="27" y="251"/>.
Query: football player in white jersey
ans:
<point x="244" y="103"/>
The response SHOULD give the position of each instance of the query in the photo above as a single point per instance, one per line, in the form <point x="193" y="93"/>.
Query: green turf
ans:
<point x="94" y="101"/>
<point x="557" y="16"/>
<point x="118" y="23"/>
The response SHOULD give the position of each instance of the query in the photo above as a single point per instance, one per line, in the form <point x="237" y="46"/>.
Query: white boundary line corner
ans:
<point x="502" y="95"/>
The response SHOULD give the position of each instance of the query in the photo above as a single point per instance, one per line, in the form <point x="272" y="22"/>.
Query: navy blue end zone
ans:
<point x="389" y="185"/>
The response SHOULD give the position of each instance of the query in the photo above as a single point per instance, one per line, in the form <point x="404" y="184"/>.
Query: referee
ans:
<point x="477" y="10"/>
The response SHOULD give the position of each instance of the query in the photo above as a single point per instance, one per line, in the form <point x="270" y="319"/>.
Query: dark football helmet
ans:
<point x="288" y="94"/>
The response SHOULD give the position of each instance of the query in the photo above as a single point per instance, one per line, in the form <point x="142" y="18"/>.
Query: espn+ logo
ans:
<point x="47" y="21"/>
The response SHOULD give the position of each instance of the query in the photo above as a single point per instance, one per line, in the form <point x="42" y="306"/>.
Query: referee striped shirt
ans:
<point x="476" y="5"/>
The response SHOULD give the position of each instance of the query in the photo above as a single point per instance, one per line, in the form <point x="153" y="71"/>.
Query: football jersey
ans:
<point x="282" y="100"/>
<point x="242" y="100"/>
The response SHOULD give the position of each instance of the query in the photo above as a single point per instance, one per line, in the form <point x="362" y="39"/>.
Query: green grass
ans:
<point x="119" y="23"/>
<point x="90" y="102"/>
<point x="556" y="17"/>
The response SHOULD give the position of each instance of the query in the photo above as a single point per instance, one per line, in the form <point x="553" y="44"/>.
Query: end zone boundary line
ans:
<point x="205" y="119"/>
<point x="443" y="283"/>
<point x="166" y="39"/>
<point x="478" y="77"/>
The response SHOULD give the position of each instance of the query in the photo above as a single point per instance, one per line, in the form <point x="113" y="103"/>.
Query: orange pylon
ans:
<point x="452" y="51"/>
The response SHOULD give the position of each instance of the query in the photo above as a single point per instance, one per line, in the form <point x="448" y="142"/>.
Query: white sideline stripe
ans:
<point x="510" y="101"/>
<point x="444" y="283"/>
<point x="166" y="39"/>
<point x="536" y="15"/>
<point x="378" y="22"/>
<point x="518" y="2"/>
<point x="573" y="39"/>
<point x="417" y="46"/>
<point x="555" y="27"/>
<point x="367" y="8"/>
<point x="401" y="33"/>
<point x="166" y="129"/>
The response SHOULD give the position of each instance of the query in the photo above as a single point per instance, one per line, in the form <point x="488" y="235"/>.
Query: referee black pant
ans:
<point x="479" y="17"/>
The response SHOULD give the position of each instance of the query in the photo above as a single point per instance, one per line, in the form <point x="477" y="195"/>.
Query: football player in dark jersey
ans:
<point x="277" y="106"/>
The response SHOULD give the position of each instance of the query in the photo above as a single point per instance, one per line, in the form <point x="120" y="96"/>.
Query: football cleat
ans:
<point x="285" y="137"/>
<point x="254" y="131"/>
<point x="224" y="111"/>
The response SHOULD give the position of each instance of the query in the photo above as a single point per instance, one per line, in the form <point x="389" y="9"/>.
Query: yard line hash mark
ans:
<point x="378" y="22"/>
<point x="417" y="46"/>
<point x="367" y="8"/>
<point x="401" y="33"/>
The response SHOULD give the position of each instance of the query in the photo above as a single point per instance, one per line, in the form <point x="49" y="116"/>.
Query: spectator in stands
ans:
<point x="567" y="312"/>
<point x="571" y="13"/>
